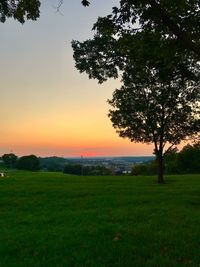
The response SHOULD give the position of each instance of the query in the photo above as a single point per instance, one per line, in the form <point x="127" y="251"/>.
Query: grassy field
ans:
<point x="51" y="219"/>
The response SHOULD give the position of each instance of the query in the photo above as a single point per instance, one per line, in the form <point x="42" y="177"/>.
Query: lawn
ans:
<point x="52" y="219"/>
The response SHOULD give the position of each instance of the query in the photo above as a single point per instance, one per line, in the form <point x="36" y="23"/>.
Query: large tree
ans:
<point x="160" y="80"/>
<point x="160" y="113"/>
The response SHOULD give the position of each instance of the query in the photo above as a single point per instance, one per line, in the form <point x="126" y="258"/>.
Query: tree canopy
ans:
<point x="177" y="20"/>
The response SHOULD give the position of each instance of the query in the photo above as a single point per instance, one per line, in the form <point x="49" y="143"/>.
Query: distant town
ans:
<point x="118" y="165"/>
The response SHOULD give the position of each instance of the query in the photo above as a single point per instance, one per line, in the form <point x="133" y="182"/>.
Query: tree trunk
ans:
<point x="160" y="168"/>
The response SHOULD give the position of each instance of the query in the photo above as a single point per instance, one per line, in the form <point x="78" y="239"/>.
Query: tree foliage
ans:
<point x="20" y="10"/>
<point x="23" y="10"/>
<point x="177" y="20"/>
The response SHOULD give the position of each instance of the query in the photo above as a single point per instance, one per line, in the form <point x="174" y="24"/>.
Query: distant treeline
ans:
<point x="175" y="162"/>
<point x="30" y="163"/>
<point x="53" y="164"/>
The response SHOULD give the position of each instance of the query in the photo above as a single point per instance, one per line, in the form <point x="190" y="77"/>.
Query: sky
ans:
<point x="47" y="107"/>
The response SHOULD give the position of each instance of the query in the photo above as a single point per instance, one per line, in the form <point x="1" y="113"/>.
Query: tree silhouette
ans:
<point x="158" y="100"/>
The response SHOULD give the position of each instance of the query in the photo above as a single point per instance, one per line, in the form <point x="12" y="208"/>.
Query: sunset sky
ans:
<point x="46" y="106"/>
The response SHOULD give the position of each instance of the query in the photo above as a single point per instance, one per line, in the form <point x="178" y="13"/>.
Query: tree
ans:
<point x="29" y="163"/>
<point x="9" y="160"/>
<point x="23" y="10"/>
<point x="158" y="101"/>
<point x="52" y="163"/>
<point x="160" y="114"/>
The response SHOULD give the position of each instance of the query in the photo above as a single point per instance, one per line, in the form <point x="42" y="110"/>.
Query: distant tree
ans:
<point x="9" y="160"/>
<point x="53" y="164"/>
<point x="189" y="159"/>
<point x="30" y="163"/>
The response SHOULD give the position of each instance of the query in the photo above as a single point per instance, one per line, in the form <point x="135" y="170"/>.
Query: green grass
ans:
<point x="51" y="219"/>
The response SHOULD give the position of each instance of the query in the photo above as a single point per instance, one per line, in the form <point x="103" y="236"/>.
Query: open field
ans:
<point x="51" y="219"/>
